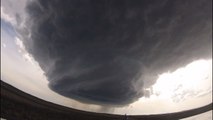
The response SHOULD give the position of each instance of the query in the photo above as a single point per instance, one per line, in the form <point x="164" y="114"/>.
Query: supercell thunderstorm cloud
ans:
<point x="109" y="51"/>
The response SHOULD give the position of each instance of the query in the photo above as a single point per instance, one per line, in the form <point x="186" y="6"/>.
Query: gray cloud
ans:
<point x="107" y="52"/>
<point x="12" y="12"/>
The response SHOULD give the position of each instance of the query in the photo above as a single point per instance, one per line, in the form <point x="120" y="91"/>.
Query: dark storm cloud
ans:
<point x="108" y="51"/>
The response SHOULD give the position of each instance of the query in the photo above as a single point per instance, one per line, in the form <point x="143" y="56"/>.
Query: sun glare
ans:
<point x="194" y="78"/>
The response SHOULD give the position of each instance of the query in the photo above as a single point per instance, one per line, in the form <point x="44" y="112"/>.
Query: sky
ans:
<point x="119" y="57"/>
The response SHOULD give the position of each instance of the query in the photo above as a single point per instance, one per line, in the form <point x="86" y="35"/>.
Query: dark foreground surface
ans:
<point x="17" y="105"/>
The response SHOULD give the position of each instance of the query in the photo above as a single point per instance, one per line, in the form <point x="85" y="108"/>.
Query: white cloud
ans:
<point x="4" y="45"/>
<point x="7" y="17"/>
<point x="23" y="51"/>
<point x="11" y="8"/>
<point x="19" y="43"/>
<point x="193" y="80"/>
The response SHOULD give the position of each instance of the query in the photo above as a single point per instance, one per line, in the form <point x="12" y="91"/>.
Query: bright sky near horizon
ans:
<point x="187" y="87"/>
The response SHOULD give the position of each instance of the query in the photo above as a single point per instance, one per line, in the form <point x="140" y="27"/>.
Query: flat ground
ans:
<point x="17" y="105"/>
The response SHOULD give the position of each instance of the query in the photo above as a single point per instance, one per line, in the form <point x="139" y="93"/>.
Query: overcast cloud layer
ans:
<point x="109" y="51"/>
